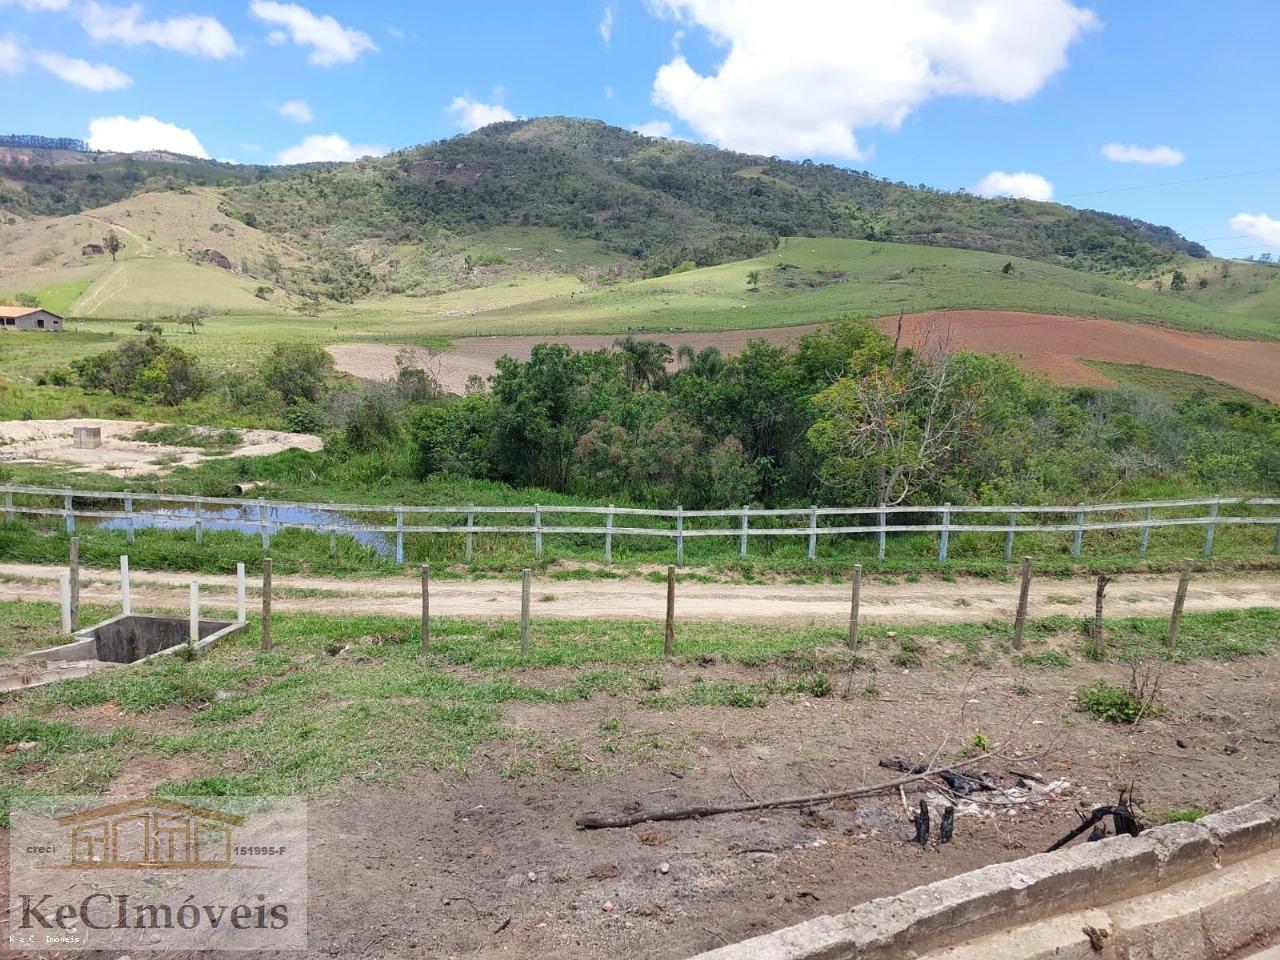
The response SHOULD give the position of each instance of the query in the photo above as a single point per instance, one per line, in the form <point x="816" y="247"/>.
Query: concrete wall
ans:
<point x="1180" y="892"/>
<point x="36" y="320"/>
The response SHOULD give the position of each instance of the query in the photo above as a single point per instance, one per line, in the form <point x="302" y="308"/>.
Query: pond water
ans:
<point x="245" y="520"/>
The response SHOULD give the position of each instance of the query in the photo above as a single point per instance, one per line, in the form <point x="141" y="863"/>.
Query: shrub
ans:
<point x="1110" y="703"/>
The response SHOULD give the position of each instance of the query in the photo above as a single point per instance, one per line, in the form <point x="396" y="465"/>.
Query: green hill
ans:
<point x="657" y="204"/>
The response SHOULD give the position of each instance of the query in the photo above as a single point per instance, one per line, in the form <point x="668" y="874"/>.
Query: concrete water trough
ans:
<point x="127" y="638"/>
<point x="131" y="638"/>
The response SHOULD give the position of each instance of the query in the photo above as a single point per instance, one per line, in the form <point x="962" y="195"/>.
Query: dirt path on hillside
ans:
<point x="1055" y="346"/>
<point x="929" y="601"/>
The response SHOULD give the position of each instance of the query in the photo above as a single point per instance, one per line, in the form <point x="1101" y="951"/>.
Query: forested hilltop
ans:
<point x="667" y="203"/>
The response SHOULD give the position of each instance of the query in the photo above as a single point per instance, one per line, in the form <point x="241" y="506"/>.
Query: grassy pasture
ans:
<point x="343" y="701"/>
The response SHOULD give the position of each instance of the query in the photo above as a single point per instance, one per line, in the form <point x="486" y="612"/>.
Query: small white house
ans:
<point x="29" y="318"/>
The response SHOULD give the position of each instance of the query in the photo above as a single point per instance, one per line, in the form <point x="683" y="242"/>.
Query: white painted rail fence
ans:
<point x="811" y="522"/>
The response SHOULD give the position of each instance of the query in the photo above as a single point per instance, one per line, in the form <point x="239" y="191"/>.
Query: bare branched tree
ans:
<point x="904" y="421"/>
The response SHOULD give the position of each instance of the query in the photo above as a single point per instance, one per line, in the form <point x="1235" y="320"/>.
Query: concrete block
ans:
<point x="86" y="438"/>
<point x="1058" y="938"/>
<point x="1244" y="831"/>
<point x="1162" y="926"/>
<point x="1184" y="850"/>
<point x="1247" y="910"/>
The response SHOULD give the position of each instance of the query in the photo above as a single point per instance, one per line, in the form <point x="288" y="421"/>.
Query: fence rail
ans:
<point x="265" y="517"/>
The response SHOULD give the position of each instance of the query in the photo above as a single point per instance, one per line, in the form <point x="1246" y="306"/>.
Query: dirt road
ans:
<point x="929" y="601"/>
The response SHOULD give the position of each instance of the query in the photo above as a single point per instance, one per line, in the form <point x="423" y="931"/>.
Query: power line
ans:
<point x="1171" y="183"/>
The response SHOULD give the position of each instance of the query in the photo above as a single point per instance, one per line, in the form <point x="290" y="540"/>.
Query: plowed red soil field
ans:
<point x="1058" y="346"/>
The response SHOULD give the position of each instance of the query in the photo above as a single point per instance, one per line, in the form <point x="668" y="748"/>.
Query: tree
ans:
<point x="644" y="361"/>
<point x="753" y="279"/>
<point x="194" y="318"/>
<point x="1202" y="282"/>
<point x="297" y="371"/>
<point x="1158" y="286"/>
<point x="897" y="427"/>
<point x="27" y="300"/>
<point x="1007" y="269"/>
<point x="112" y="244"/>
<point x="1178" y="283"/>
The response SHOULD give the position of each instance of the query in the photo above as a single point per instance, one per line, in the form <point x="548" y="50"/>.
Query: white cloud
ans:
<point x="655" y="128"/>
<point x="330" y="41"/>
<point x="608" y="92"/>
<point x="36" y="6"/>
<point x="472" y="114"/>
<point x="10" y="55"/>
<point x="1028" y="186"/>
<point x="1258" y="225"/>
<point x="1161" y="156"/>
<point x="192" y="34"/>
<point x="799" y="78"/>
<point x="328" y="147"/>
<point x="298" y="110"/>
<point x="130" y="134"/>
<point x="82" y="73"/>
<point x="606" y="25"/>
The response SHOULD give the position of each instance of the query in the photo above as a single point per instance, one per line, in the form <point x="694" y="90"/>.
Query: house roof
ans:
<point x="23" y="311"/>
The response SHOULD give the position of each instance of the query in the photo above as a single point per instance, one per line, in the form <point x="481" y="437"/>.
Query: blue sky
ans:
<point x="992" y="95"/>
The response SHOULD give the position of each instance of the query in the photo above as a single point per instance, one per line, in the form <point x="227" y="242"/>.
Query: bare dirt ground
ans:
<point x="491" y="865"/>
<point x="1051" y="345"/>
<point x="929" y="601"/>
<point x="1057" y="346"/>
<point x="478" y="356"/>
<point x="50" y="441"/>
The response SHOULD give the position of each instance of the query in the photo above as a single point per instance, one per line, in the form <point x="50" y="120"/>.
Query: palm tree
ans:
<point x="644" y="361"/>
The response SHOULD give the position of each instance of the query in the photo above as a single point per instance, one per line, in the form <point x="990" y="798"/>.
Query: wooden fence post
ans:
<point x="8" y="506"/>
<point x="813" y="532"/>
<point x="855" y="601"/>
<point x="1098" y="638"/>
<point x="880" y="548"/>
<point x="608" y="535"/>
<point x="1024" y="593"/>
<point x="1078" y="539"/>
<point x="64" y="596"/>
<point x="199" y="521"/>
<point x="537" y="531"/>
<point x="669" y="638"/>
<point x="399" y="537"/>
<point x="193" y="634"/>
<point x="425" y="631"/>
<point x="679" y="535"/>
<point x="70" y="514"/>
<point x="266" y="604"/>
<point x="126" y="604"/>
<point x="1179" y="598"/>
<point x="242" y="612"/>
<point x="943" y="537"/>
<point x="1208" y="530"/>
<point x="1008" y="537"/>
<point x="1276" y="548"/>
<point x="333" y="542"/>
<point x="524" y="612"/>
<point x="742" y="543"/>
<point x="471" y="533"/>
<point x="73" y="570"/>
<point x="1145" y="540"/>
<point x="128" y="509"/>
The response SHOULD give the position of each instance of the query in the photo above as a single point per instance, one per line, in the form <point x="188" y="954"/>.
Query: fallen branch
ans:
<point x="694" y="813"/>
